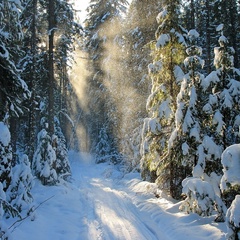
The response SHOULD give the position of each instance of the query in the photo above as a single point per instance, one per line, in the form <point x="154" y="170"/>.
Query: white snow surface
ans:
<point x="101" y="202"/>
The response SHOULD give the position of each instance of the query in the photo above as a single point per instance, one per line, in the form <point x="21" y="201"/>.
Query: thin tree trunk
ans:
<point x="208" y="39"/>
<point x="51" y="82"/>
<point x="192" y="14"/>
<point x="32" y="114"/>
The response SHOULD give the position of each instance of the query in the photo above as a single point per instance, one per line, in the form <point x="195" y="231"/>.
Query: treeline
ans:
<point x="36" y="52"/>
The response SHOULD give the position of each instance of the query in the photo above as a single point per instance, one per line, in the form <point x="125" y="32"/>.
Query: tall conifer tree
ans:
<point x="157" y="163"/>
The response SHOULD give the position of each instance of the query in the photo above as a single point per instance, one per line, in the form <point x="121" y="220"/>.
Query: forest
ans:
<point x="151" y="85"/>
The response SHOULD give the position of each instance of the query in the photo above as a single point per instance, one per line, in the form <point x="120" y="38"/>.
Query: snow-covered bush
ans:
<point x="201" y="198"/>
<point x="19" y="192"/>
<point x="44" y="159"/>
<point x="233" y="219"/>
<point x="230" y="182"/>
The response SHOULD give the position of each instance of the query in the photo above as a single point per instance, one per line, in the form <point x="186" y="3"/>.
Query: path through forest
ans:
<point x="101" y="203"/>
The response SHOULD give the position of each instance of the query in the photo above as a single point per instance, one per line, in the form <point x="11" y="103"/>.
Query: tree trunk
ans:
<point x="208" y="39"/>
<point x="32" y="113"/>
<point x="51" y="82"/>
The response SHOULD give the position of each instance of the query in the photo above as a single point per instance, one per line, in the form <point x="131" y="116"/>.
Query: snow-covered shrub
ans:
<point x="201" y="198"/>
<point x="233" y="219"/>
<point x="62" y="163"/>
<point x="230" y="182"/>
<point x="19" y="192"/>
<point x="5" y="156"/>
<point x="44" y="159"/>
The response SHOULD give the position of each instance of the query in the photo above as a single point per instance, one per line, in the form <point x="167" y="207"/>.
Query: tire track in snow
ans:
<point x="113" y="212"/>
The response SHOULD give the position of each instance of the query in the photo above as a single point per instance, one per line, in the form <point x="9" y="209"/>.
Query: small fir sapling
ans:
<point x="19" y="192"/>
<point x="44" y="159"/>
<point x="62" y="163"/>
<point x="103" y="148"/>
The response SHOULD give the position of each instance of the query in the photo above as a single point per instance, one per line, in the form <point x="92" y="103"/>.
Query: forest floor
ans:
<point x="103" y="203"/>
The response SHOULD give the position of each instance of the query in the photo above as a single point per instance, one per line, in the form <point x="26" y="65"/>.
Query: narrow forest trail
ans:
<point x="101" y="204"/>
<point x="109" y="212"/>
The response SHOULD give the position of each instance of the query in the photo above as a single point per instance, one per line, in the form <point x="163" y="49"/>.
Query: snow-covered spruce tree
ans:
<point x="186" y="137"/>
<point x="230" y="181"/>
<point x="103" y="148"/>
<point x="62" y="163"/>
<point x="168" y="53"/>
<point x="19" y="192"/>
<point x="221" y="106"/>
<point x="186" y="140"/>
<point x="44" y="159"/>
<point x="13" y="89"/>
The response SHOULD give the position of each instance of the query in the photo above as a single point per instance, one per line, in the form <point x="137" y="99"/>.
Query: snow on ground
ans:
<point x="101" y="203"/>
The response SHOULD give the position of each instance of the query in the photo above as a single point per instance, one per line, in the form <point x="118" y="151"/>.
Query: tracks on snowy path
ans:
<point x="109" y="213"/>
<point x="101" y="205"/>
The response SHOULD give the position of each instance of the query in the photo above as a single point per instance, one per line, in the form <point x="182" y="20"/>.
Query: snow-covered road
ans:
<point x="109" y="213"/>
<point x="101" y="204"/>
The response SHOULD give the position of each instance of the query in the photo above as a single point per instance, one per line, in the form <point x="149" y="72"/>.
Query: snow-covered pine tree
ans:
<point x="19" y="192"/>
<point x="221" y="106"/>
<point x="168" y="53"/>
<point x="62" y="163"/>
<point x="103" y="148"/>
<point x="186" y="137"/>
<point x="44" y="159"/>
<point x="13" y="89"/>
